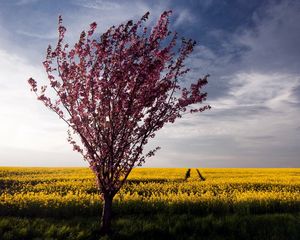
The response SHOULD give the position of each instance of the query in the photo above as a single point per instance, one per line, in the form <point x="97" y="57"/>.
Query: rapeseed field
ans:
<point x="68" y="193"/>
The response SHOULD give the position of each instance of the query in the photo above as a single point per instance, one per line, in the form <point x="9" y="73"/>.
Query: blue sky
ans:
<point x="250" y="48"/>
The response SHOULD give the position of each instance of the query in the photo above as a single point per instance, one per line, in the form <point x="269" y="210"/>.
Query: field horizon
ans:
<point x="19" y="166"/>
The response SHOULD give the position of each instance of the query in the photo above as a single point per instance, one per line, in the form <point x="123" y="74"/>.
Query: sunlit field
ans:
<point x="155" y="203"/>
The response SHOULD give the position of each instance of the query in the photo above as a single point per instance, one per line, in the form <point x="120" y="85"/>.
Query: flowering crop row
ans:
<point x="72" y="191"/>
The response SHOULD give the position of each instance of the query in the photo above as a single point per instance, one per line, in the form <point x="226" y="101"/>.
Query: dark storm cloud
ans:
<point x="274" y="41"/>
<point x="212" y="15"/>
<point x="265" y="40"/>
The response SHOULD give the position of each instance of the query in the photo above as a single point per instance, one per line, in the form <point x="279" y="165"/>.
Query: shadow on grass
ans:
<point x="66" y="210"/>
<point x="158" y="226"/>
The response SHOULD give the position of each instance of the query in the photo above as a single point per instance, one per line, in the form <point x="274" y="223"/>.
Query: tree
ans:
<point x="115" y="91"/>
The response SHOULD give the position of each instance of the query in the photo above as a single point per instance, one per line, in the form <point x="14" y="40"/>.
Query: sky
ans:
<point x="250" y="49"/>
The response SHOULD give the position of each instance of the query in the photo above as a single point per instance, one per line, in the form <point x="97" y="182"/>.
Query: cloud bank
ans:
<point x="252" y="56"/>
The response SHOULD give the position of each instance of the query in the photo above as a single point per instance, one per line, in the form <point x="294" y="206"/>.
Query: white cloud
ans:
<point x="259" y="89"/>
<point x="48" y="35"/>
<point x="25" y="124"/>
<point x="25" y="2"/>
<point x="185" y="16"/>
<point x="99" y="4"/>
<point x="251" y="123"/>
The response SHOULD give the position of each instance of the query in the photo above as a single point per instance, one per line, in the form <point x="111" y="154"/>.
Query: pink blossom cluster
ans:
<point x="116" y="90"/>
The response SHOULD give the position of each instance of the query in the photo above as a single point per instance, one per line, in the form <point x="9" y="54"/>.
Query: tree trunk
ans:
<point x="106" y="214"/>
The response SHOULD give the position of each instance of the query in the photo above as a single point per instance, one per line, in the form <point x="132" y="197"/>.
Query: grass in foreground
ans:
<point x="159" y="226"/>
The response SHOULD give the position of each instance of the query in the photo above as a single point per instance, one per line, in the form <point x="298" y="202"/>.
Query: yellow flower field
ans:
<point x="72" y="191"/>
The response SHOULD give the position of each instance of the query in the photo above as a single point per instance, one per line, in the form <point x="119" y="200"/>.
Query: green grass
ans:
<point x="158" y="226"/>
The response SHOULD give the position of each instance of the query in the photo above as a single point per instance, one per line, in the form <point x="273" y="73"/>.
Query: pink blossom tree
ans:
<point x="115" y="91"/>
